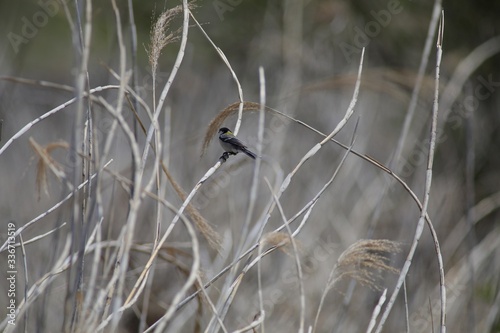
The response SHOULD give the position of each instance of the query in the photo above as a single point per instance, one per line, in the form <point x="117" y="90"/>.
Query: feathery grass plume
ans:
<point x="46" y="161"/>
<point x="365" y="261"/>
<point x="159" y="36"/>
<point x="278" y="239"/>
<point x="219" y="119"/>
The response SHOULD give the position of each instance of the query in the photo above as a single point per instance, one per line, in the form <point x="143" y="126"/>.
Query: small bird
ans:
<point x="231" y="144"/>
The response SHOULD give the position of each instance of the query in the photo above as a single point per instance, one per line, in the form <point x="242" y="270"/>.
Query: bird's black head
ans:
<point x="224" y="130"/>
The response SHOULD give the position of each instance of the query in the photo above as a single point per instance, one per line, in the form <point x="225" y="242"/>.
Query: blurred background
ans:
<point x="310" y="51"/>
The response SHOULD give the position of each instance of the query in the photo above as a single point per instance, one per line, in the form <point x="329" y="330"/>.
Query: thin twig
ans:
<point x="133" y="56"/>
<point x="93" y="275"/>
<point x="470" y="198"/>
<point x="421" y="221"/>
<point x="212" y="306"/>
<point x="253" y="194"/>
<point x="407" y="317"/>
<point x="26" y="281"/>
<point x="435" y="17"/>
<point x="376" y="311"/>
<point x="37" y="238"/>
<point x="82" y="36"/>
<point x="257" y="166"/>
<point x="255" y="323"/>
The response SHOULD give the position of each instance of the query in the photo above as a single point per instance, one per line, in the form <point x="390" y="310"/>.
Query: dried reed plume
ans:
<point x="159" y="36"/>
<point x="364" y="261"/>
<point x="280" y="240"/>
<point x="219" y="119"/>
<point x="46" y="161"/>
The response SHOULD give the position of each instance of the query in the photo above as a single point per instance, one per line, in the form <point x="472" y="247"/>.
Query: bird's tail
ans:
<point x="249" y="153"/>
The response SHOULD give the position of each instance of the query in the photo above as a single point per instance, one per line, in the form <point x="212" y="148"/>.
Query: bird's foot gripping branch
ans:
<point x="225" y="156"/>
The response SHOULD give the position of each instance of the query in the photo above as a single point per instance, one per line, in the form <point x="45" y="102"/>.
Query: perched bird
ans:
<point x="231" y="144"/>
